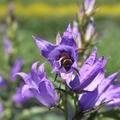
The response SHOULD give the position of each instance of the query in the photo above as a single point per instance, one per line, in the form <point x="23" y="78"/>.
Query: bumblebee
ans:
<point x="67" y="63"/>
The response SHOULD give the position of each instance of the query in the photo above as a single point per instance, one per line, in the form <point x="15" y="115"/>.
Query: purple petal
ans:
<point x="44" y="46"/>
<point x="88" y="100"/>
<point x="77" y="34"/>
<point x="48" y="95"/>
<point x="22" y="94"/>
<point x="25" y="77"/>
<point x="18" y="98"/>
<point x="103" y="86"/>
<point x="2" y="82"/>
<point x="74" y="84"/>
<point x="26" y="93"/>
<point x="75" y="28"/>
<point x="111" y="94"/>
<point x="58" y="39"/>
<point x="16" y="68"/>
<point x="92" y="73"/>
<point x="68" y="39"/>
<point x="89" y="62"/>
<point x="34" y="73"/>
<point x="114" y="103"/>
<point x="90" y="30"/>
<point x="96" y="81"/>
<point x="89" y="5"/>
<point x="41" y="71"/>
<point x="66" y="76"/>
<point x="86" y="3"/>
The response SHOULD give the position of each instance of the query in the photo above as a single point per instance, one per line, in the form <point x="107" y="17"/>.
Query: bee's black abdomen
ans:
<point x="67" y="64"/>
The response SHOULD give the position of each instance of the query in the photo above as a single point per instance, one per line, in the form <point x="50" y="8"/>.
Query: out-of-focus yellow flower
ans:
<point x="62" y="10"/>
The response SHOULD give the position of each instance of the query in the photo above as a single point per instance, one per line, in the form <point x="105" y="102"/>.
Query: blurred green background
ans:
<point x="107" y="26"/>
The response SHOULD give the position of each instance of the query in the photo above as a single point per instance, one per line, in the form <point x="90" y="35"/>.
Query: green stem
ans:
<point x="78" y="113"/>
<point x="65" y="104"/>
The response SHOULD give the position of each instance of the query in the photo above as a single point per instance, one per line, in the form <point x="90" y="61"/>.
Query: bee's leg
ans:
<point x="77" y="71"/>
<point x="56" y="77"/>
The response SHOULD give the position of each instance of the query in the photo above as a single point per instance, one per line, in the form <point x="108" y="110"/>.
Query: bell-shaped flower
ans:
<point x="88" y="72"/>
<point x="88" y="6"/>
<point x="64" y="56"/>
<point x="2" y="82"/>
<point x="76" y="34"/>
<point x="90" y="30"/>
<point x="105" y="92"/>
<point x="1" y="108"/>
<point x="8" y="46"/>
<point x="40" y="87"/>
<point x="16" y="68"/>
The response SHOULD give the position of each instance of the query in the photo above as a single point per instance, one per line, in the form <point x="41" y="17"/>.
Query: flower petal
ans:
<point x="25" y="92"/>
<point x="34" y="73"/>
<point x="25" y="77"/>
<point x="89" y="5"/>
<point x="77" y="34"/>
<point x="48" y="95"/>
<point x="90" y="30"/>
<point x="88" y="100"/>
<point x="96" y="81"/>
<point x="18" y="98"/>
<point x="68" y="38"/>
<point x="89" y="62"/>
<point x="58" y="39"/>
<point x="2" y="82"/>
<point x="16" y="68"/>
<point x="41" y="71"/>
<point x="103" y="86"/>
<point x="44" y="46"/>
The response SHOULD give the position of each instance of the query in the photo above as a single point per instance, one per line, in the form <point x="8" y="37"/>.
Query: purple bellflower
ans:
<point x="77" y="34"/>
<point x="63" y="57"/>
<point x="2" y="82"/>
<point x="104" y="92"/>
<point x="90" y="30"/>
<point x="8" y="46"/>
<point x="89" y="70"/>
<point x="16" y="68"/>
<point x="40" y="87"/>
<point x="89" y="5"/>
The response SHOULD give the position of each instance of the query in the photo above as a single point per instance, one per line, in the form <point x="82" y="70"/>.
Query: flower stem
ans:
<point x="65" y="104"/>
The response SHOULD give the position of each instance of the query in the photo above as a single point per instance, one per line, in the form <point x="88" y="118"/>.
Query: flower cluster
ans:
<point x="85" y="82"/>
<point x="88" y="82"/>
